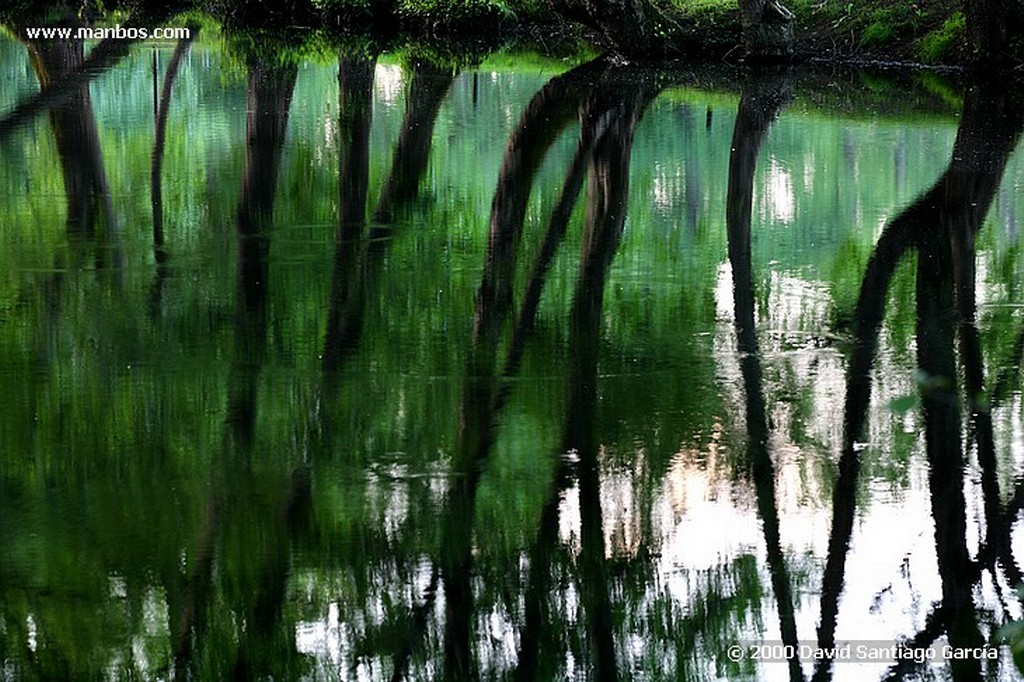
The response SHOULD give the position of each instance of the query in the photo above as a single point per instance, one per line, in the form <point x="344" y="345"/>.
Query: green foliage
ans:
<point x="445" y="12"/>
<point x="1013" y="634"/>
<point x="928" y="30"/>
<point x="906" y="31"/>
<point x="278" y="47"/>
<point x="886" y="23"/>
<point x="942" y="42"/>
<point x="877" y="33"/>
<point x="942" y="87"/>
<point x="452" y="11"/>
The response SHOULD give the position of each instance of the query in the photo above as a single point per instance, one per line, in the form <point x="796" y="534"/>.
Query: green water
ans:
<point x="343" y="416"/>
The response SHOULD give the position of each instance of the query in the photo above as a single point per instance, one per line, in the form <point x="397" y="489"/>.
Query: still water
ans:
<point x="366" y="368"/>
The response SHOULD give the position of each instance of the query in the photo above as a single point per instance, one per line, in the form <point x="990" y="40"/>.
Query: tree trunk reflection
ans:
<point x="267" y="645"/>
<point x="355" y="104"/>
<point x="544" y="119"/>
<point x="73" y="123"/>
<point x="607" y="193"/>
<point x="163" y="106"/>
<point x="760" y="103"/>
<point x="936" y="326"/>
<point x="57" y="93"/>
<point x="940" y="225"/>
<point x="609" y="120"/>
<point x="359" y="256"/>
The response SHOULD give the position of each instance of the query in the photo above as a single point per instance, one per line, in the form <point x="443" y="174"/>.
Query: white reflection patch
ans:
<point x="322" y="638"/>
<point x="387" y="83"/>
<point x="780" y="202"/>
<point x="30" y="625"/>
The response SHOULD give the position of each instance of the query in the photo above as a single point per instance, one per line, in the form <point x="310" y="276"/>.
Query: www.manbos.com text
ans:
<point x="116" y="32"/>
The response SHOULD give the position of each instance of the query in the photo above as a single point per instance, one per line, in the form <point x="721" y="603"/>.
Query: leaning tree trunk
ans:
<point x="767" y="29"/>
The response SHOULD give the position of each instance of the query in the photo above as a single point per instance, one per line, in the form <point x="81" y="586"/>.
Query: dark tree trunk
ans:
<point x="607" y="194"/>
<point x="160" y="138"/>
<point x="548" y="113"/>
<point x="936" y="354"/>
<point x="269" y="98"/>
<point x="428" y="90"/>
<point x="992" y="26"/>
<point x="103" y="56"/>
<point x="162" y="109"/>
<point x="359" y="257"/>
<point x="767" y="29"/>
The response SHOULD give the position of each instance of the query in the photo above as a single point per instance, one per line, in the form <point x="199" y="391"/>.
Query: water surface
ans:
<point x="505" y="371"/>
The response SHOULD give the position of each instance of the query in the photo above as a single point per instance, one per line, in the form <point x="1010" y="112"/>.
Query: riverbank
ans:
<point x="929" y="32"/>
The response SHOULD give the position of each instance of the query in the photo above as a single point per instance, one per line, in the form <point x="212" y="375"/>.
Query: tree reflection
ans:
<point x="161" y="114"/>
<point x="548" y="113"/>
<point x="609" y="105"/>
<point x="359" y="254"/>
<point x="940" y="226"/>
<point x="619" y="108"/>
<point x="265" y="645"/>
<point x="936" y="326"/>
<point x="90" y="221"/>
<point x="56" y="93"/>
<point x="361" y="246"/>
<point x="269" y="96"/>
<point x="74" y="128"/>
<point x="763" y="97"/>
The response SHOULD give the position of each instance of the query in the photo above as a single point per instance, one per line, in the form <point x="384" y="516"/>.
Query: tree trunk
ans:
<point x="767" y="29"/>
<point x="989" y="26"/>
